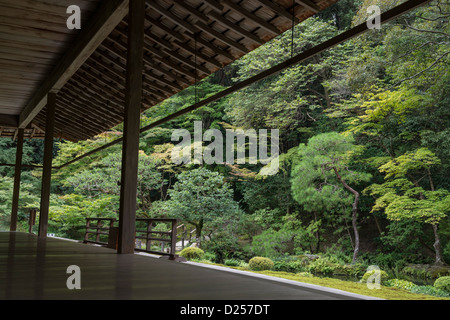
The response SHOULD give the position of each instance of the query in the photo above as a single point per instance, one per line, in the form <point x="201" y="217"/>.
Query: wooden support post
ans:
<point x="130" y="149"/>
<point x="17" y="174"/>
<point x="88" y="226"/>
<point x="173" y="237"/>
<point x="99" y="225"/>
<point x="148" y="245"/>
<point x="31" y="220"/>
<point x="47" y="170"/>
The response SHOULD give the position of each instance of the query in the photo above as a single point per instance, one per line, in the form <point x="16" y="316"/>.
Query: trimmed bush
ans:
<point x="443" y="283"/>
<point x="192" y="253"/>
<point x="383" y="276"/>
<point x="260" y="263"/>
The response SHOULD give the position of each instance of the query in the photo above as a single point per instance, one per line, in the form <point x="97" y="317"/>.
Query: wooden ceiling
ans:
<point x="33" y="38"/>
<point x="185" y="41"/>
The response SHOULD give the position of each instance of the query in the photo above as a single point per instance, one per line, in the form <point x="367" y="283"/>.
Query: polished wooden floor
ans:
<point x="33" y="269"/>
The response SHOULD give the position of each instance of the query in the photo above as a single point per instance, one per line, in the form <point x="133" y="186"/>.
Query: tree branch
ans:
<point x="424" y="70"/>
<point x="428" y="31"/>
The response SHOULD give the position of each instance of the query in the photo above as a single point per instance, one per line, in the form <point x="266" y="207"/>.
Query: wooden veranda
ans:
<point x="36" y="269"/>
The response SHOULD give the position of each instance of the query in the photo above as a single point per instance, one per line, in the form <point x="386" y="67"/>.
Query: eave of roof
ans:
<point x="185" y="41"/>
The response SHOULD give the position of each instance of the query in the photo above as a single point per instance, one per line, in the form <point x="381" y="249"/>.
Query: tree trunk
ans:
<point x="437" y="240"/>
<point x="198" y="233"/>
<point x="437" y="245"/>
<point x="317" y="234"/>
<point x="354" y="213"/>
<point x="355" y="228"/>
<point x="378" y="225"/>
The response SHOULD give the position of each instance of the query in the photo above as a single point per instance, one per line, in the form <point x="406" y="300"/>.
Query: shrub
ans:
<point x="209" y="256"/>
<point x="289" y="266"/>
<point x="232" y="262"/>
<point x="321" y="266"/>
<point x="383" y="276"/>
<point x="430" y="290"/>
<point x="274" y="244"/>
<point x="416" y="273"/>
<point x="260" y="263"/>
<point x="443" y="283"/>
<point x="353" y="270"/>
<point x="223" y="246"/>
<point x="192" y="253"/>
<point x="401" y="284"/>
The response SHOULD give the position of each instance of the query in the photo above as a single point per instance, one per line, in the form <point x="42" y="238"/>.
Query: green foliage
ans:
<point x="224" y="246"/>
<point x="192" y="253"/>
<point x="443" y="283"/>
<point x="209" y="256"/>
<point x="400" y="198"/>
<point x="202" y="198"/>
<point x="374" y="108"/>
<point x="446" y="252"/>
<point x="29" y="199"/>
<point x="417" y="273"/>
<point x="429" y="290"/>
<point x="383" y="276"/>
<point x="260" y="264"/>
<point x="410" y="161"/>
<point x="293" y="266"/>
<point x="322" y="266"/>
<point x="103" y="178"/>
<point x="232" y="262"/>
<point x="314" y="181"/>
<point x="271" y="243"/>
<point x="398" y="283"/>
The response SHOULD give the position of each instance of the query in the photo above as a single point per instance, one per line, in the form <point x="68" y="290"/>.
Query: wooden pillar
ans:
<point x="17" y="174"/>
<point x="47" y="170"/>
<point x="130" y="149"/>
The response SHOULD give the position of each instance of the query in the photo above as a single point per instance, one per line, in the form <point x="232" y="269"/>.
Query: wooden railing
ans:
<point x="155" y="241"/>
<point x="160" y="238"/>
<point x="184" y="234"/>
<point x="98" y="229"/>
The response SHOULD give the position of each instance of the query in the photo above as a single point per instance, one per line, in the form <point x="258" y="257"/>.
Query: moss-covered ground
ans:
<point x="387" y="293"/>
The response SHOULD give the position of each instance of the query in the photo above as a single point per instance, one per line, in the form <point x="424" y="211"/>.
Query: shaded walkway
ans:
<point x="32" y="268"/>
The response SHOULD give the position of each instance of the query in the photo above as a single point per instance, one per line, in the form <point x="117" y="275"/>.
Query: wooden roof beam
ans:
<point x="222" y="38"/>
<point x="308" y="4"/>
<point x="153" y="65"/>
<point x="279" y="10"/>
<point x="146" y="81"/>
<point x="215" y="5"/>
<point x="158" y="24"/>
<point x="105" y="19"/>
<point x="192" y="11"/>
<point x="251" y="16"/>
<point x="235" y="27"/>
<point x="203" y="28"/>
<point x="172" y="17"/>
